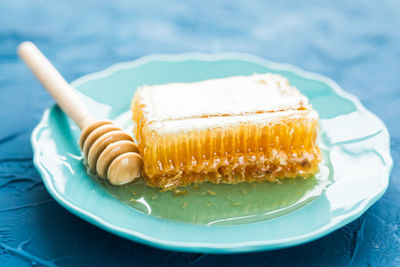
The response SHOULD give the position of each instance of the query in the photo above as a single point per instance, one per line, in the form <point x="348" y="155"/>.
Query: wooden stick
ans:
<point x="55" y="84"/>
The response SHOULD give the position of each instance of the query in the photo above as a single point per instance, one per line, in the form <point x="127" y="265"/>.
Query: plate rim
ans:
<point x="205" y="247"/>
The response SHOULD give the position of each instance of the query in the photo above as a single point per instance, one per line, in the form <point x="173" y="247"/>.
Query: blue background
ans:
<point x="355" y="43"/>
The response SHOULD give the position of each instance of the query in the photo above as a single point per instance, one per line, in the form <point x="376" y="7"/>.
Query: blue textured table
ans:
<point x="357" y="44"/>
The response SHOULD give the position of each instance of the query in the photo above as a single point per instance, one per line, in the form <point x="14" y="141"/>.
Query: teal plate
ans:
<point x="218" y="218"/>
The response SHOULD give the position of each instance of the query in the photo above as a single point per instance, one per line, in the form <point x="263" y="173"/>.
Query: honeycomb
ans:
<point x="259" y="128"/>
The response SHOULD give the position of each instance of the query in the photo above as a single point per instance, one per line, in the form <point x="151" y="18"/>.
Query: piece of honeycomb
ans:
<point x="230" y="130"/>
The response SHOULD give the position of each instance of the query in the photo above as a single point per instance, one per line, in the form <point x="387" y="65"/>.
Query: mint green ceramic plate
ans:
<point x="219" y="218"/>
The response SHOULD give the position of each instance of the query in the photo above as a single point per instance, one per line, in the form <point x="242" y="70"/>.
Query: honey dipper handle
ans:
<point x="55" y="84"/>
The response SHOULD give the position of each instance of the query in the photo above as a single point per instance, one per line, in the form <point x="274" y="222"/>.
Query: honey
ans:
<point x="237" y="129"/>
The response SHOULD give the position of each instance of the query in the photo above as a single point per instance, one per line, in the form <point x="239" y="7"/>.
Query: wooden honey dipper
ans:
<point x="107" y="149"/>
